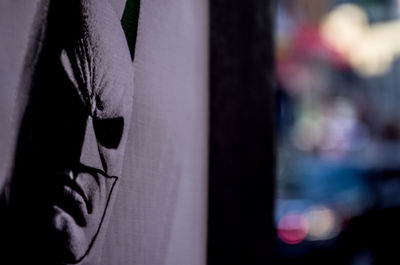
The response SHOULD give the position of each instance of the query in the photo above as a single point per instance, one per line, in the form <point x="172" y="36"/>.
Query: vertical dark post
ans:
<point x="242" y="157"/>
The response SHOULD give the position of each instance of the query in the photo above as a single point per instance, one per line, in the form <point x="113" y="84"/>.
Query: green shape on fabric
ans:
<point x="129" y="22"/>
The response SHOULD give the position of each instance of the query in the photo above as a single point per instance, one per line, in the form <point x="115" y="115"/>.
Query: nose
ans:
<point x="90" y="155"/>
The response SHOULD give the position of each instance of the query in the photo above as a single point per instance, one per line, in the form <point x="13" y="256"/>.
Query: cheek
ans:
<point x="112" y="138"/>
<point x="112" y="159"/>
<point x="104" y="145"/>
<point x="90" y="155"/>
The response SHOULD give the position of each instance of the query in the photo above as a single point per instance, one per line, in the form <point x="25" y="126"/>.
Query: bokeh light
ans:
<point x="338" y="144"/>
<point x="292" y="228"/>
<point x="322" y="223"/>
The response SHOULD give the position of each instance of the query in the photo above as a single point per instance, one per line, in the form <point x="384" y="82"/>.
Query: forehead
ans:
<point x="106" y="90"/>
<point x="110" y="71"/>
<point x="112" y="94"/>
<point x="100" y="61"/>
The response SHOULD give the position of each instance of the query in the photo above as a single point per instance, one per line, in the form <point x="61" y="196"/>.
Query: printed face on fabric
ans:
<point x="74" y="130"/>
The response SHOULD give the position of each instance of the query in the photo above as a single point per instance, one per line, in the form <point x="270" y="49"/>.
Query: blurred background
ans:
<point x="338" y="119"/>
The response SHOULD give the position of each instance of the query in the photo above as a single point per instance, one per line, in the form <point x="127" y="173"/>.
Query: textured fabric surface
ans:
<point x="159" y="211"/>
